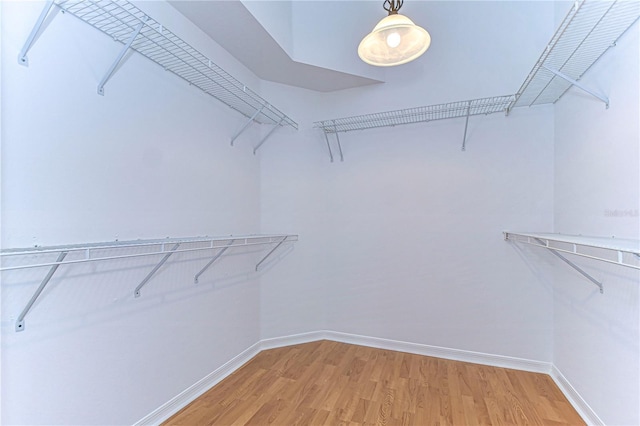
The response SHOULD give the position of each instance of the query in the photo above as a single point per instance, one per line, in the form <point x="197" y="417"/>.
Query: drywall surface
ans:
<point x="597" y="187"/>
<point x="293" y="198"/>
<point x="150" y="159"/>
<point x="404" y="238"/>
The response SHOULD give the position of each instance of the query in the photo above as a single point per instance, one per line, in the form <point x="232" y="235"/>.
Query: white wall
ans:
<point x="150" y="159"/>
<point x="406" y="234"/>
<point x="403" y="240"/>
<point x="597" y="192"/>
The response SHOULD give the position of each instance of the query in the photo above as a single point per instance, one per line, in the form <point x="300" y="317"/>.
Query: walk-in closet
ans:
<point x="320" y="212"/>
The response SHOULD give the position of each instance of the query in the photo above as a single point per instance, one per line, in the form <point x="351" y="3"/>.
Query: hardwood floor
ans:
<point x="331" y="383"/>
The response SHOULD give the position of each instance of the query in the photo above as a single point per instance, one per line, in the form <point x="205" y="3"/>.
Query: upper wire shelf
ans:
<point x="586" y="33"/>
<point x="482" y="106"/>
<point x="130" y="26"/>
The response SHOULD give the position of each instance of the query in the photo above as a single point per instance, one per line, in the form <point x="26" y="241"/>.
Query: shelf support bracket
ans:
<point x="335" y="129"/>
<point x="466" y="125"/>
<point x="267" y="137"/>
<point x="253" y="117"/>
<point x="22" y="57"/>
<point x="220" y="253"/>
<point x="166" y="257"/>
<point x="573" y="265"/>
<point x="578" y="85"/>
<point x="326" y="138"/>
<point x="43" y="284"/>
<point x="271" y="252"/>
<point x="115" y="64"/>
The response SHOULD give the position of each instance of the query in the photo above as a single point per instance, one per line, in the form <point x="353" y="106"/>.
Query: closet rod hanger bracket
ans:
<point x="22" y="57"/>
<point x="577" y="84"/>
<point x="119" y="58"/>
<point x="146" y="279"/>
<point x="43" y="284"/>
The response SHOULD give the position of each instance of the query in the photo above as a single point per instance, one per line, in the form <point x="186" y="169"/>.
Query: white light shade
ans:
<point x="395" y="40"/>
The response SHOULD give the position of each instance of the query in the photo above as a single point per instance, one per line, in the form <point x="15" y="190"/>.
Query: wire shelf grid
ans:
<point x="590" y="28"/>
<point x="481" y="106"/>
<point x="119" y="19"/>
<point x="93" y="252"/>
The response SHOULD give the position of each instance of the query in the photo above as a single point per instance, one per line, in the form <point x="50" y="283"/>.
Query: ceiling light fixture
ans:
<point x="395" y="40"/>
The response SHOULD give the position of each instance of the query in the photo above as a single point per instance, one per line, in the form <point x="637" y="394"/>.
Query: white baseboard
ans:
<point x="581" y="406"/>
<point x="440" y="352"/>
<point x="414" y="348"/>
<point x="188" y="395"/>
<point x="294" y="339"/>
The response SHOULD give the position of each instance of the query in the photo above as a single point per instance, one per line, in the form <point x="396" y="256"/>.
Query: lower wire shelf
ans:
<point x="95" y="252"/>
<point x="618" y="251"/>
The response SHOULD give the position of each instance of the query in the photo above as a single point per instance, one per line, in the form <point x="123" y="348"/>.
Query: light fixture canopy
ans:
<point x="395" y="40"/>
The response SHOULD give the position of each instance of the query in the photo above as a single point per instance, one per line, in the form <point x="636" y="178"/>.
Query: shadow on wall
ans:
<point x="88" y="294"/>
<point x="614" y="312"/>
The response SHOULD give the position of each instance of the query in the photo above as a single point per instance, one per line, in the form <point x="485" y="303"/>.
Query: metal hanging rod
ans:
<point x="572" y="244"/>
<point x="459" y="109"/>
<point x="128" y="25"/>
<point x="590" y="28"/>
<point x="87" y="251"/>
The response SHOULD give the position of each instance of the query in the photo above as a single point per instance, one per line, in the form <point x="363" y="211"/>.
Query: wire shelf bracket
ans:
<point x="82" y="253"/>
<point x="22" y="56"/>
<point x="273" y="129"/>
<point x="586" y="33"/>
<point x="130" y="26"/>
<point x="578" y="85"/>
<point x="146" y="279"/>
<point x="246" y="125"/>
<point x="466" y="126"/>
<point x="124" y="50"/>
<point x="326" y="138"/>
<point x="271" y="252"/>
<point x="559" y="244"/>
<point x="211" y="262"/>
<point x="20" y="321"/>
<point x="458" y="109"/>
<point x="574" y="266"/>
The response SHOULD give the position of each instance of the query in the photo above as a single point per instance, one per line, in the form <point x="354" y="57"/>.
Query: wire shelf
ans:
<point x="482" y="106"/>
<point x="605" y="243"/>
<point x="590" y="28"/>
<point x="617" y="251"/>
<point x="119" y="19"/>
<point x="94" y="252"/>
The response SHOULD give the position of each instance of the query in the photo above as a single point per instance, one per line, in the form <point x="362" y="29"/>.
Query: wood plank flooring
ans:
<point x="331" y="383"/>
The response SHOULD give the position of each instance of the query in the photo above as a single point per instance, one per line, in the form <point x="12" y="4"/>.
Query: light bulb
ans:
<point x="393" y="40"/>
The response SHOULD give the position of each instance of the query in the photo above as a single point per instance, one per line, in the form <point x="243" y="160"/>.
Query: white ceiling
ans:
<point x="313" y="44"/>
<point x="237" y="30"/>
